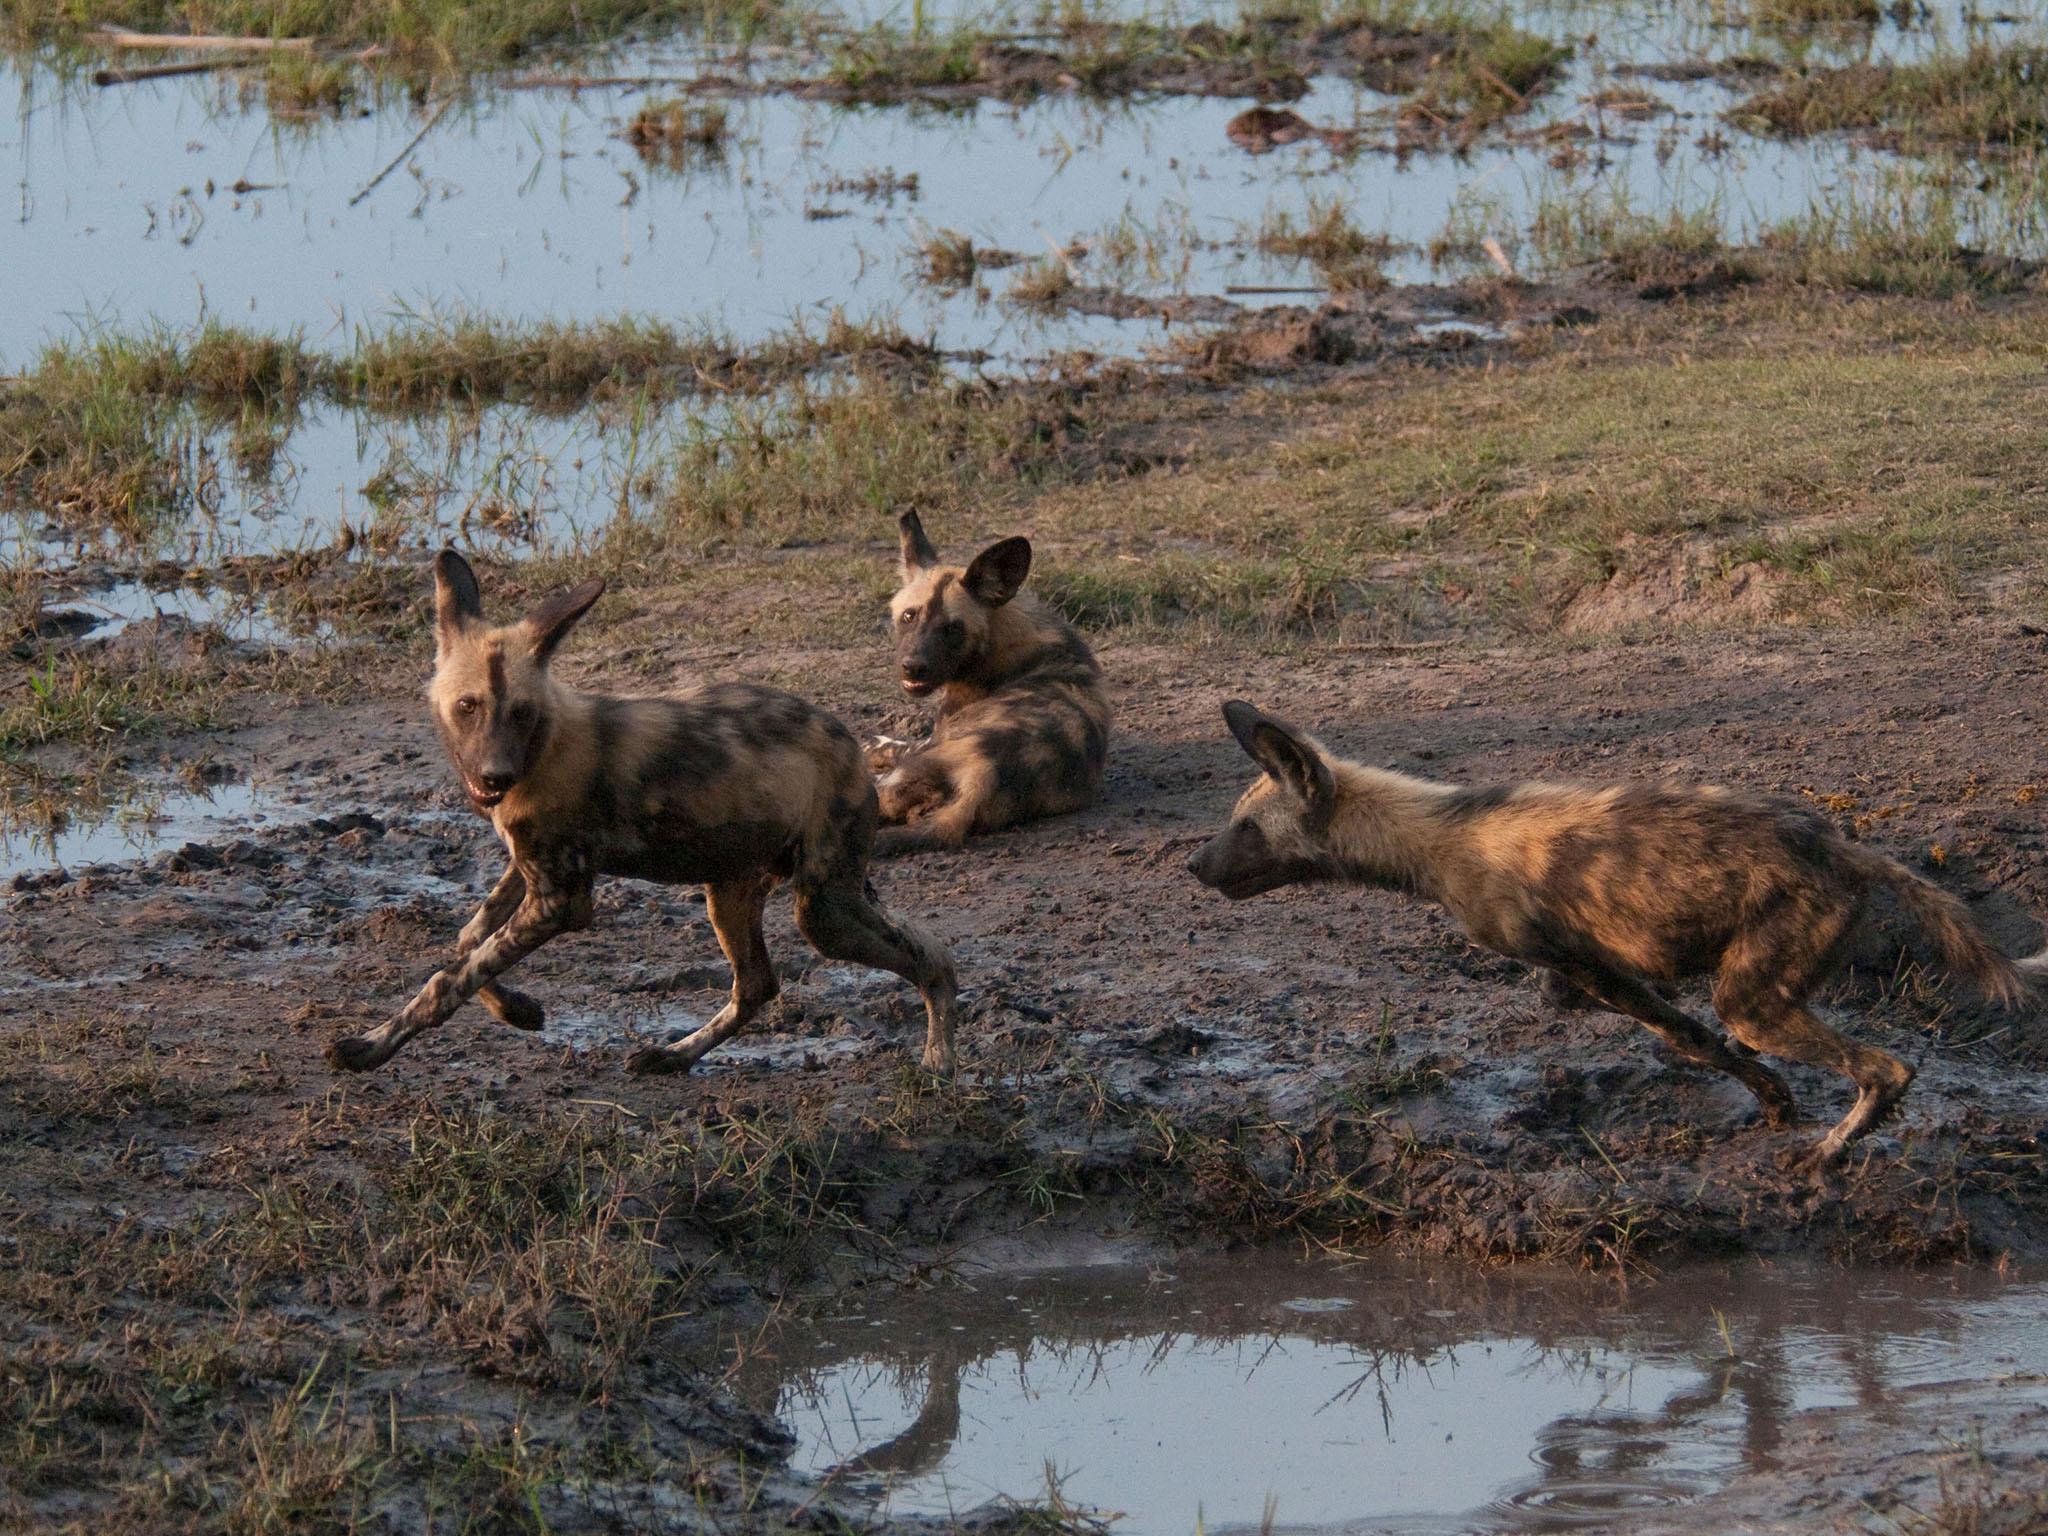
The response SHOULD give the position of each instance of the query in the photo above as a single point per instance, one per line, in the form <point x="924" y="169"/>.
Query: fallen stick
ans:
<point x="115" y="37"/>
<point x="1498" y="256"/>
<point x="606" y="82"/>
<point x="128" y="76"/>
<point x="1513" y="95"/>
<point x="398" y="159"/>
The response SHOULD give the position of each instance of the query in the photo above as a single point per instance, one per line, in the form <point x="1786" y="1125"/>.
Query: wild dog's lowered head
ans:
<point x="492" y="698"/>
<point x="1279" y="831"/>
<point x="945" y="617"/>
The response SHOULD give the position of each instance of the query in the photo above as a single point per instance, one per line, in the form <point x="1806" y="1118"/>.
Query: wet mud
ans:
<point x="1148" y="1069"/>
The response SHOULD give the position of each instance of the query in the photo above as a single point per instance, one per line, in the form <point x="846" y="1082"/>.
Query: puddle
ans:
<point x="1263" y="1392"/>
<point x="140" y="830"/>
<point x="867" y="1010"/>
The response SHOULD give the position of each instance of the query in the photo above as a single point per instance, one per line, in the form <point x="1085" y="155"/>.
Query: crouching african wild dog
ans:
<point x="1610" y="890"/>
<point x="736" y="786"/>
<point x="1023" y="719"/>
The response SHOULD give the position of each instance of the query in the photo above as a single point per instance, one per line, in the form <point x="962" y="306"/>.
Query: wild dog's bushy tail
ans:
<point x="1943" y="918"/>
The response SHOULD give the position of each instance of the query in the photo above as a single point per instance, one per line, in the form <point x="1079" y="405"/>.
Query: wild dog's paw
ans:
<point x="1780" y="1109"/>
<point x="354" y="1053"/>
<point x="1561" y="994"/>
<point x="655" y="1060"/>
<point x="510" y="1006"/>
<point x="884" y="753"/>
<point x="940" y="1060"/>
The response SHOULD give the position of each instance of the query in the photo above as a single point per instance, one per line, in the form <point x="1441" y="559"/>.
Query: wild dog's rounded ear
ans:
<point x="557" y="615"/>
<point x="998" y="571"/>
<point x="916" y="549"/>
<point x="1284" y="752"/>
<point x="458" y="600"/>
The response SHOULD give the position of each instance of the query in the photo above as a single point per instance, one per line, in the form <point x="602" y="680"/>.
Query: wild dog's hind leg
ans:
<point x="1766" y="975"/>
<point x="840" y="922"/>
<point x="735" y="909"/>
<point x="543" y="913"/>
<point x="1684" y="1034"/>
<point x="507" y="1004"/>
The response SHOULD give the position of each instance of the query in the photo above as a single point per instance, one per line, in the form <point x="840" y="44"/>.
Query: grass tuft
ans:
<point x="1988" y="98"/>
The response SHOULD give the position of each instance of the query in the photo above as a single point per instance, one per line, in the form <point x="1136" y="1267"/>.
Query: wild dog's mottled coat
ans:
<point x="1611" y="889"/>
<point x="735" y="786"/>
<point x="1023" y="719"/>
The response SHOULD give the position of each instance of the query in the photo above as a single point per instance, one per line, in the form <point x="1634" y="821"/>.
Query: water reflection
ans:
<point x="1430" y="1402"/>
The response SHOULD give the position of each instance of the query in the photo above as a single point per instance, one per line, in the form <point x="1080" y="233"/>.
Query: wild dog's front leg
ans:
<point x="545" y="911"/>
<point x="507" y="1004"/>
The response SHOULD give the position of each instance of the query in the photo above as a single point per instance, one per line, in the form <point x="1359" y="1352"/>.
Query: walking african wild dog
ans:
<point x="1023" y="719"/>
<point x="1611" y="889"/>
<point x="736" y="786"/>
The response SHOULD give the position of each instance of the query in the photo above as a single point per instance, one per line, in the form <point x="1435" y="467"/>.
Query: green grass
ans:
<point x="1346" y="258"/>
<point x="1461" y="67"/>
<point x="440" y="34"/>
<point x="1914" y="231"/>
<point x="1988" y="98"/>
<point x="1858" y="474"/>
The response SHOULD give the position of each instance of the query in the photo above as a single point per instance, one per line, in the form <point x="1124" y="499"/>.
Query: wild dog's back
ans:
<point x="733" y="777"/>
<point x="1658" y="876"/>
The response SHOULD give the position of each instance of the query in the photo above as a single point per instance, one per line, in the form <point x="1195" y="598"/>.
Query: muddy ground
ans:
<point x="1146" y="1065"/>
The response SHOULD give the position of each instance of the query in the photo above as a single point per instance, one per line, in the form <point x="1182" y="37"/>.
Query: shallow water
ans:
<point x="1381" y="1397"/>
<point x="150" y="824"/>
<point x="172" y="200"/>
<point x="526" y="204"/>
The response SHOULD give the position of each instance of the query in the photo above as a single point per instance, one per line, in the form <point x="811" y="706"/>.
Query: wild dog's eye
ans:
<point x="906" y="616"/>
<point x="465" y="705"/>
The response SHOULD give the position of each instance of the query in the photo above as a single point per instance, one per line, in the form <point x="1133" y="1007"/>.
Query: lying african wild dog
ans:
<point x="736" y="786"/>
<point x="1023" y="719"/>
<point x="1612" y="889"/>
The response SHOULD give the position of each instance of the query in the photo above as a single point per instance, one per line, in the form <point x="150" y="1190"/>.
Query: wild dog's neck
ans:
<point x="568" y="757"/>
<point x="1021" y="634"/>
<point x="1385" y="829"/>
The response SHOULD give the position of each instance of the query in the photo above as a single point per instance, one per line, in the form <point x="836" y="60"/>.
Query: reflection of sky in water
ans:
<point x="526" y="204"/>
<point x="216" y="815"/>
<point x="1178" y="1402"/>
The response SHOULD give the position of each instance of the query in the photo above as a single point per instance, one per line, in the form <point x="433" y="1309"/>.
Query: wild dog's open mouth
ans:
<point x="916" y="689"/>
<point x="483" y="799"/>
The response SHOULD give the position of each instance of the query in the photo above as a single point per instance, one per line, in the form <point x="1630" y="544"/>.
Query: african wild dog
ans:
<point x="736" y="786"/>
<point x="1023" y="719"/>
<point x="1610" y="890"/>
